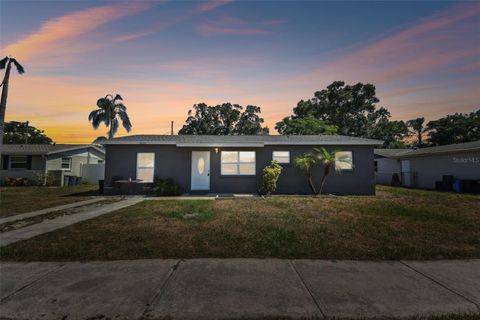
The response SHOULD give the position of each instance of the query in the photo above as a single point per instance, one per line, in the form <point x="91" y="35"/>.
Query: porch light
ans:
<point x="216" y="150"/>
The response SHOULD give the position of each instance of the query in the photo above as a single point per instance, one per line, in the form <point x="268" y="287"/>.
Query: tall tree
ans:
<point x="455" y="128"/>
<point x="110" y="111"/>
<point x="351" y="108"/>
<point x="306" y="126"/>
<point x="416" y="125"/>
<point x="6" y="63"/>
<point x="223" y="119"/>
<point x="19" y="132"/>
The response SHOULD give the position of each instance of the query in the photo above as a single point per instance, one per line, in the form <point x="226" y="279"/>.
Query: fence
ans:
<point x="93" y="172"/>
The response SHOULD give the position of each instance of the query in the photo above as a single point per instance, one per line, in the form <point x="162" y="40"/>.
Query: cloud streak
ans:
<point x="59" y="34"/>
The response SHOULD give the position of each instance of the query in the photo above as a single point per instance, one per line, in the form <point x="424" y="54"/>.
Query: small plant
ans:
<point x="167" y="187"/>
<point x="49" y="180"/>
<point x="16" y="182"/>
<point x="270" y="176"/>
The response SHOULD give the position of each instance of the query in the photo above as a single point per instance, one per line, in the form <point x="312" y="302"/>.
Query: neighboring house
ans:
<point x="426" y="168"/>
<point x="234" y="164"/>
<point x="34" y="161"/>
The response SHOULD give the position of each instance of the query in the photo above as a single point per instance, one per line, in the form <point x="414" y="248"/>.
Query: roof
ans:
<point x="43" y="149"/>
<point x="241" y="140"/>
<point x="450" y="148"/>
<point x="387" y="153"/>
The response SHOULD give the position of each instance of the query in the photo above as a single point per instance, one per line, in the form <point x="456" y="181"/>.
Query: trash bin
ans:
<point x="457" y="185"/>
<point x="101" y="184"/>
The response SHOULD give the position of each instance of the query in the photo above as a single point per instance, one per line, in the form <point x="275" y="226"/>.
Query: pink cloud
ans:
<point x="211" y="5"/>
<point x="58" y="36"/>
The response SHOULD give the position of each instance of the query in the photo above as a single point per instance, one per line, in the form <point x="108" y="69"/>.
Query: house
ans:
<point x="34" y="161"/>
<point x="234" y="164"/>
<point x="429" y="168"/>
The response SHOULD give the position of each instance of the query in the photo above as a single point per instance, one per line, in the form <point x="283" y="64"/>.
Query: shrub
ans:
<point x="50" y="180"/>
<point x="270" y="177"/>
<point x="16" y="182"/>
<point x="167" y="187"/>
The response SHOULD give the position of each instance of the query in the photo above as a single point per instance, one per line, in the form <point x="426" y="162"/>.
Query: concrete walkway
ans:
<point x="237" y="288"/>
<point x="34" y="230"/>
<point x="48" y="210"/>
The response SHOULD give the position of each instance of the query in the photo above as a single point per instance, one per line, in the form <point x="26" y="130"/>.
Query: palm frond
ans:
<point x="118" y="97"/>
<point x="3" y="63"/>
<point x="121" y="107"/>
<point x="19" y="67"/>
<point x="93" y="114"/>
<point x="125" y="121"/>
<point x="103" y="103"/>
<point x="97" y="118"/>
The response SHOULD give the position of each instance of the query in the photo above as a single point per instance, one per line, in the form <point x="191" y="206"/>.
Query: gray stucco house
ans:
<point x="34" y="161"/>
<point x="424" y="168"/>
<point x="233" y="164"/>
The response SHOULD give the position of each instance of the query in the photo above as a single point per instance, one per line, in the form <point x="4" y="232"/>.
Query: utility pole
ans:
<point x="26" y="132"/>
<point x="171" y="128"/>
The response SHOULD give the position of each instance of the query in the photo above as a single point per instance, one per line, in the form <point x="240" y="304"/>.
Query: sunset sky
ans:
<point x="164" y="56"/>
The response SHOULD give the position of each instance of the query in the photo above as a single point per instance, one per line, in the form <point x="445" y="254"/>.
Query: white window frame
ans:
<point x="280" y="162"/>
<point x="152" y="167"/>
<point x="351" y="157"/>
<point x="238" y="163"/>
<point x="69" y="163"/>
<point x="10" y="162"/>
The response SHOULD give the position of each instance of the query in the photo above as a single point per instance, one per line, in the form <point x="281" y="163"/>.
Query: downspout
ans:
<point x="46" y="171"/>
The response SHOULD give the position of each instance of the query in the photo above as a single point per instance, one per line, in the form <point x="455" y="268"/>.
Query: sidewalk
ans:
<point x="34" y="230"/>
<point x="237" y="288"/>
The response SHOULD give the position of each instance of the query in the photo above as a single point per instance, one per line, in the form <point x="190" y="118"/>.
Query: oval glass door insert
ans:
<point x="201" y="165"/>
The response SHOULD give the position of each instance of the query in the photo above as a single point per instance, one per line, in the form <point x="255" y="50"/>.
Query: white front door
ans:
<point x="200" y="170"/>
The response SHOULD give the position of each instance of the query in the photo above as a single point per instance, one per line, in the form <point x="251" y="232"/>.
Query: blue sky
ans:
<point x="164" y="56"/>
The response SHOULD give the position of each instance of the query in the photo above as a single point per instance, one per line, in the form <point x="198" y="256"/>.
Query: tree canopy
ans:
<point x="18" y="132"/>
<point x="352" y="109"/>
<point x="223" y="119"/>
<point x="455" y="128"/>
<point x="307" y="126"/>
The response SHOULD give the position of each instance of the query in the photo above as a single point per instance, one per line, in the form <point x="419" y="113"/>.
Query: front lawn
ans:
<point x="15" y="200"/>
<point x="396" y="224"/>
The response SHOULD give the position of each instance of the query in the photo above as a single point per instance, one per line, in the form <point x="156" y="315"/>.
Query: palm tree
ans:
<point x="6" y="63"/>
<point x="329" y="160"/>
<point x="110" y="110"/>
<point x="319" y="156"/>
<point x="305" y="163"/>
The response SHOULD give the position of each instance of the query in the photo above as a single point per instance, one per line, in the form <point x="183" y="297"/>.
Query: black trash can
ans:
<point x="101" y="184"/>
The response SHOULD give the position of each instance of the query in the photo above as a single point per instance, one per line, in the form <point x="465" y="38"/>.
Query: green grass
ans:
<point x="397" y="224"/>
<point x="15" y="200"/>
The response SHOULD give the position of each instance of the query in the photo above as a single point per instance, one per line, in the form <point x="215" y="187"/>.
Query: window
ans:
<point x="344" y="160"/>
<point x="281" y="156"/>
<point x="18" y="162"/>
<point x="66" y="163"/>
<point x="145" y="166"/>
<point x="238" y="163"/>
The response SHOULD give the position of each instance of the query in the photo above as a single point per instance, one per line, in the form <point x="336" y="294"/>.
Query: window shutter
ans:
<point x="29" y="163"/>
<point x="5" y="162"/>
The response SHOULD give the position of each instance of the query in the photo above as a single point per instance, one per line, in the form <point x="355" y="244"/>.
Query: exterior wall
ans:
<point x="386" y="167"/>
<point x="431" y="168"/>
<point x="174" y="162"/>
<point x="35" y="175"/>
<point x="79" y="157"/>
